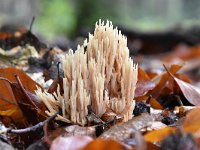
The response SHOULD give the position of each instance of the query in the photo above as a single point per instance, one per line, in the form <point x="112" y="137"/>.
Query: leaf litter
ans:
<point x="167" y="98"/>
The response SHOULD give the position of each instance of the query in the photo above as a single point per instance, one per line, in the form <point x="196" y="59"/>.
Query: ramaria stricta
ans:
<point x="103" y="76"/>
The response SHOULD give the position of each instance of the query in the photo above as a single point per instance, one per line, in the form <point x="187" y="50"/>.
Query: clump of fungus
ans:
<point x="103" y="76"/>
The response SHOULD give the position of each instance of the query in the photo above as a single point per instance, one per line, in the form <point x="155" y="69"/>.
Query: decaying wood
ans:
<point x="126" y="130"/>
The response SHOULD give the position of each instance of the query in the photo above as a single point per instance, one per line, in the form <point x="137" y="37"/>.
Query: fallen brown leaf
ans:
<point x="144" y="83"/>
<point x="191" y="123"/>
<point x="100" y="144"/>
<point x="28" y="83"/>
<point x="10" y="111"/>
<point x="158" y="135"/>
<point x="191" y="93"/>
<point x="163" y="82"/>
<point x="17" y="96"/>
<point x="70" y="143"/>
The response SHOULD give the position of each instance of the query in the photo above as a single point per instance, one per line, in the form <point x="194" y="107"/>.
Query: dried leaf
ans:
<point x="28" y="83"/>
<point x="191" y="93"/>
<point x="144" y="83"/>
<point x="19" y="97"/>
<point x="142" y="75"/>
<point x="70" y="143"/>
<point x="5" y="35"/>
<point x="155" y="104"/>
<point x="53" y="87"/>
<point x="100" y="144"/>
<point x="8" y="103"/>
<point x="158" y="135"/>
<point x="110" y="115"/>
<point x="57" y="82"/>
<point x="29" y="103"/>
<point x="151" y="146"/>
<point x="183" y="52"/>
<point x="143" y="87"/>
<point x="191" y="123"/>
<point x="9" y="112"/>
<point x="163" y="81"/>
<point x="21" y="37"/>
<point x="152" y="101"/>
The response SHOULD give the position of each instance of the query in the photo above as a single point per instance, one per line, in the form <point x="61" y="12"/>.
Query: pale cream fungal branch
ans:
<point x="104" y="77"/>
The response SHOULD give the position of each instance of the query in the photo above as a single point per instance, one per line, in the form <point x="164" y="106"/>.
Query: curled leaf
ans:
<point x="17" y="100"/>
<point x="163" y="81"/>
<point x="191" y="93"/>
<point x="10" y="111"/>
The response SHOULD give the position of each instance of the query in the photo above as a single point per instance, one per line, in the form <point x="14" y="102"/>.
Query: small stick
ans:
<point x="107" y="123"/>
<point x="91" y="117"/>
<point x="178" y="100"/>
<point x="31" y="25"/>
<point x="46" y="138"/>
<point x="23" y="90"/>
<point x="148" y="99"/>
<point x="33" y="128"/>
<point x="60" y="81"/>
<point x="2" y="78"/>
<point x="58" y="65"/>
<point x="168" y="71"/>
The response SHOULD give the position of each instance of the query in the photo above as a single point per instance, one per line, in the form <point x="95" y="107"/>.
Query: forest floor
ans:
<point x="167" y="96"/>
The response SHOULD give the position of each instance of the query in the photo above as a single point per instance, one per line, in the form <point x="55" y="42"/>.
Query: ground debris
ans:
<point x="124" y="131"/>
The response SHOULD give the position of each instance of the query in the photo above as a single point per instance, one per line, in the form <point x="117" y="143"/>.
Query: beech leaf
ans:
<point x="18" y="103"/>
<point x="100" y="144"/>
<point x="70" y="143"/>
<point x="28" y="83"/>
<point x="163" y="81"/>
<point x="158" y="135"/>
<point x="191" y="93"/>
<point x="9" y="109"/>
<point x="144" y="83"/>
<point x="191" y="123"/>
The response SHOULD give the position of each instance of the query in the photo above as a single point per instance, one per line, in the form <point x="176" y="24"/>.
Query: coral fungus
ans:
<point x="103" y="76"/>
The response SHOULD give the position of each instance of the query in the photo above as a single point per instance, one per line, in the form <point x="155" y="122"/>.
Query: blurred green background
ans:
<point x="69" y="17"/>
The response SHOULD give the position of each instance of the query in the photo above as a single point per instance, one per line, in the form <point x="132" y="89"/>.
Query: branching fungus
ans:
<point x="103" y="76"/>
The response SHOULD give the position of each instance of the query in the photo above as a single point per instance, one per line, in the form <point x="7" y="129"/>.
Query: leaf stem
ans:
<point x="24" y="91"/>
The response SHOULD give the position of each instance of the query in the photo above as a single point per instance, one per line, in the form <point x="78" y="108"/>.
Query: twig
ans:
<point x="168" y="71"/>
<point x="46" y="138"/>
<point x="92" y="117"/>
<point x="31" y="25"/>
<point x="105" y="124"/>
<point x="60" y="81"/>
<point x="33" y="128"/>
<point x="2" y="78"/>
<point x="58" y="65"/>
<point x="149" y="99"/>
<point x="23" y="90"/>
